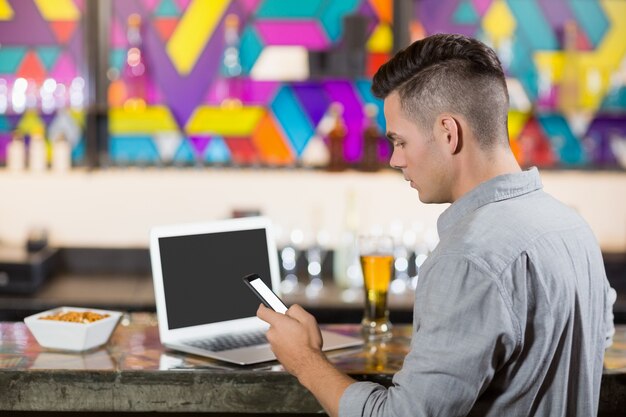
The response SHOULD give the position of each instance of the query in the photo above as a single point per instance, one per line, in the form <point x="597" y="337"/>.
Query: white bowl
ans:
<point x="76" y="337"/>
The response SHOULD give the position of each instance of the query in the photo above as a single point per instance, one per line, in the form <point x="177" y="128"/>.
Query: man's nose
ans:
<point x="396" y="161"/>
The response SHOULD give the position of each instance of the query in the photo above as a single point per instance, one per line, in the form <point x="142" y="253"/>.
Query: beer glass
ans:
<point x="376" y="255"/>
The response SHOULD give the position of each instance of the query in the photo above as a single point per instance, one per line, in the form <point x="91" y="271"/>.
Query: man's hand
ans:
<point x="294" y="336"/>
<point x="297" y="343"/>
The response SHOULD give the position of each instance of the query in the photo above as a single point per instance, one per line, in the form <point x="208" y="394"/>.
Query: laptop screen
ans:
<point x="202" y="275"/>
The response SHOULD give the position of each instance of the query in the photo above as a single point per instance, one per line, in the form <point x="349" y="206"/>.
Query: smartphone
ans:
<point x="264" y="292"/>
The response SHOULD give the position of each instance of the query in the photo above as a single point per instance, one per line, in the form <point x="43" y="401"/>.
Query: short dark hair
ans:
<point x="449" y="73"/>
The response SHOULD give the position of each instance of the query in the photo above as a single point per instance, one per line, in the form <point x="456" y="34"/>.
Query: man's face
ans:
<point x="421" y="157"/>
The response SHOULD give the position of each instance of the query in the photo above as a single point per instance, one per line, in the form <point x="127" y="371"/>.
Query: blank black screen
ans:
<point x="202" y="276"/>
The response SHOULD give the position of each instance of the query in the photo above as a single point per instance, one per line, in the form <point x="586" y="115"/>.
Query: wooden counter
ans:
<point x="134" y="373"/>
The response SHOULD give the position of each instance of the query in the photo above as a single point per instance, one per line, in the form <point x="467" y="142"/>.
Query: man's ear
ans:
<point x="451" y="132"/>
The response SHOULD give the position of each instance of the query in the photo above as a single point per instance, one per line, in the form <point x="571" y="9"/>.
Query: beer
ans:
<point x="377" y="271"/>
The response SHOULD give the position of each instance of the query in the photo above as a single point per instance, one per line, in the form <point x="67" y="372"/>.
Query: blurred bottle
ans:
<point x="134" y="71"/>
<point x="37" y="161"/>
<point x="336" y="138"/>
<point x="289" y="257"/>
<point x="371" y="138"/>
<point x="315" y="254"/>
<point x="569" y="88"/>
<point x="16" y="154"/>
<point x="346" y="269"/>
<point x="61" y="154"/>
<point x="231" y="62"/>
<point x="402" y="241"/>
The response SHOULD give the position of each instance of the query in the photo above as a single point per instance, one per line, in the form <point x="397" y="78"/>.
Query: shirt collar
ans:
<point x="498" y="188"/>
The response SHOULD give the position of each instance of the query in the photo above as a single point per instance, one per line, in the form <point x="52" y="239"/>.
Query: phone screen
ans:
<point x="265" y="293"/>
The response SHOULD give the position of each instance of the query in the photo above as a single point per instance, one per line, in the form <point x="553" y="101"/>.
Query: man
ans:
<point x="512" y="308"/>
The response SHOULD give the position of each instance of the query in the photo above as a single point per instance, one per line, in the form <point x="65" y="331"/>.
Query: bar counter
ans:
<point x="134" y="373"/>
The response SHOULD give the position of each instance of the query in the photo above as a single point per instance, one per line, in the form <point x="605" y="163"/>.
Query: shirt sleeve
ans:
<point x="463" y="333"/>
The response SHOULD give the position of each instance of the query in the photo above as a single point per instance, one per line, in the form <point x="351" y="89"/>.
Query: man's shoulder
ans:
<point x="498" y="233"/>
<point x="538" y="209"/>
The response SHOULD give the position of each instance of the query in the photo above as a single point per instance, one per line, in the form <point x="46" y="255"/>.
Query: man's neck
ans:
<point x="481" y="166"/>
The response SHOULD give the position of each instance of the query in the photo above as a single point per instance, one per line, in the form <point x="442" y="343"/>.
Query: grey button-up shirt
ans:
<point x="511" y="313"/>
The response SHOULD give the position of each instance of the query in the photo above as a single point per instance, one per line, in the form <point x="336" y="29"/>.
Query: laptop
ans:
<point x="203" y="306"/>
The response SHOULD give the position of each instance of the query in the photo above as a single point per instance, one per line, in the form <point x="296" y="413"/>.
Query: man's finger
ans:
<point x="267" y="314"/>
<point x="300" y="314"/>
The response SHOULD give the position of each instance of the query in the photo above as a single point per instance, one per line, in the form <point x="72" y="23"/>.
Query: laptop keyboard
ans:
<point x="230" y="341"/>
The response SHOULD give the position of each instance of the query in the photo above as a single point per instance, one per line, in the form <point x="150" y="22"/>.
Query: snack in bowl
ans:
<point x="73" y="328"/>
<point x="75" y="316"/>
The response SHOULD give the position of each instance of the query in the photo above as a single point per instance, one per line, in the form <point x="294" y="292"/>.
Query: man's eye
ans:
<point x="399" y="145"/>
